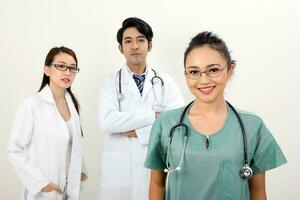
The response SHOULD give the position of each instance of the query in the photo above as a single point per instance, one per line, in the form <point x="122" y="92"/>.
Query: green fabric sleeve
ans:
<point x="267" y="154"/>
<point x="155" y="158"/>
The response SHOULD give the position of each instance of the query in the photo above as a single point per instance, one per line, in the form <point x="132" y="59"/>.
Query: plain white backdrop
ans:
<point x="263" y="36"/>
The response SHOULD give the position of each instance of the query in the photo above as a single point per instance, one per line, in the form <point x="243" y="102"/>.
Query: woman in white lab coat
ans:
<point x="45" y="145"/>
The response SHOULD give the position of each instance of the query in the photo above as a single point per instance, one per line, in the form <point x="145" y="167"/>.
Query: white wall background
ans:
<point x="262" y="34"/>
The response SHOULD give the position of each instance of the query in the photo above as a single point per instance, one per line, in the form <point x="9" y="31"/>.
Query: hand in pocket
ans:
<point x="52" y="187"/>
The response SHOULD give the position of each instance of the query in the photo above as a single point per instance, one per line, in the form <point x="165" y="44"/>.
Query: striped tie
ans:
<point x="139" y="80"/>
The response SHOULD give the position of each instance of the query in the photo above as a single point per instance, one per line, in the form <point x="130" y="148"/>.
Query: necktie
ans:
<point x="139" y="80"/>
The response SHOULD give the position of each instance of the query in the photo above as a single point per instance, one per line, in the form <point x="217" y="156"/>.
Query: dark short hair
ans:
<point x="142" y="26"/>
<point x="213" y="41"/>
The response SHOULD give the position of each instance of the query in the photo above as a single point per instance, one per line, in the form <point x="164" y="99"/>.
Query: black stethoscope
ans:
<point x="245" y="172"/>
<point x="154" y="79"/>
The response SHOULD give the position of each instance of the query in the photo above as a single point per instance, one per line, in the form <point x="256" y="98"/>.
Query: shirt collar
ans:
<point x="131" y="72"/>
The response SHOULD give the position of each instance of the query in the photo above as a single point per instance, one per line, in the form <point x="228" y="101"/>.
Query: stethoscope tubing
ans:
<point x="181" y="124"/>
<point x="245" y="144"/>
<point x="120" y="93"/>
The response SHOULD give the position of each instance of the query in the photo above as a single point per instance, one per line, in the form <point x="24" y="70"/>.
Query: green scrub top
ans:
<point x="212" y="173"/>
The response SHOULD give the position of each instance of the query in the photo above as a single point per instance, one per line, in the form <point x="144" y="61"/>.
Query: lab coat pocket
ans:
<point x="116" y="169"/>
<point x="82" y="184"/>
<point x="49" y="195"/>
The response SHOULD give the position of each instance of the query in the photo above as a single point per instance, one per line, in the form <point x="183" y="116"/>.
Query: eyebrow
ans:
<point x="141" y="36"/>
<point x="207" y="66"/>
<point x="62" y="62"/>
<point x="128" y="37"/>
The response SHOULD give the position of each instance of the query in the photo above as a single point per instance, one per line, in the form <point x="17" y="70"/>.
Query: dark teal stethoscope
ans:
<point x="245" y="172"/>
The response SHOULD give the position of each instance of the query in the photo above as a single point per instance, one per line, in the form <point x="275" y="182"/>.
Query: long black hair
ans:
<point x="48" y="61"/>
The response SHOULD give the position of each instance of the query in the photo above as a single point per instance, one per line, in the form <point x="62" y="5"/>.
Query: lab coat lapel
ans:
<point x="47" y="95"/>
<point x="147" y="84"/>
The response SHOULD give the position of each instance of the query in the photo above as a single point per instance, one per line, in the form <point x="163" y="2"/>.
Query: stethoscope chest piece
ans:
<point x="246" y="172"/>
<point x="121" y="96"/>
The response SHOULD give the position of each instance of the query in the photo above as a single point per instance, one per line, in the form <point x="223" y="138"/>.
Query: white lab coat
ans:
<point x="123" y="175"/>
<point x="38" y="147"/>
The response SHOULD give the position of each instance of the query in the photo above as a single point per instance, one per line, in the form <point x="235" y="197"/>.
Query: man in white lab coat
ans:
<point x="130" y="100"/>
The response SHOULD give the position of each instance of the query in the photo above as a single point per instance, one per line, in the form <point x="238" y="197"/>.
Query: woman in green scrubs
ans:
<point x="214" y="152"/>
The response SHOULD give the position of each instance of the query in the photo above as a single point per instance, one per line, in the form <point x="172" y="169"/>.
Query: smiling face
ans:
<point x="135" y="47"/>
<point x="207" y="89"/>
<point x="58" y="78"/>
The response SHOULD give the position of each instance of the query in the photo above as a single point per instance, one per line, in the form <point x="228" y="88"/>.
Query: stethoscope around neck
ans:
<point x="245" y="172"/>
<point x="154" y="79"/>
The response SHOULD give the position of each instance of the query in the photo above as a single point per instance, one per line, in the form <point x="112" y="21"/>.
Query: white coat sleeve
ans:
<point x="174" y="100"/>
<point x="83" y="167"/>
<point x="19" y="144"/>
<point x="143" y="135"/>
<point x="114" y="121"/>
<point x="174" y="97"/>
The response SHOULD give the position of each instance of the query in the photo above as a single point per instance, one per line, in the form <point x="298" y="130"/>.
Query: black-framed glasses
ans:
<point x="63" y="67"/>
<point x="212" y="72"/>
